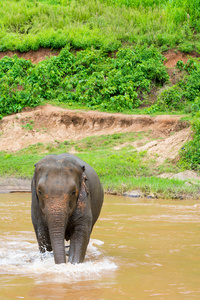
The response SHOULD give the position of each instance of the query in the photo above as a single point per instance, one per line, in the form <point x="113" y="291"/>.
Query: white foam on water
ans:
<point x="20" y="256"/>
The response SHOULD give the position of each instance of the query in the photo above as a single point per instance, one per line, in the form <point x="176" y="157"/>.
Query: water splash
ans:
<point x="20" y="255"/>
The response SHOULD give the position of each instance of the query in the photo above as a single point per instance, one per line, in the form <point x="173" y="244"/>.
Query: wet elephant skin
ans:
<point x="67" y="197"/>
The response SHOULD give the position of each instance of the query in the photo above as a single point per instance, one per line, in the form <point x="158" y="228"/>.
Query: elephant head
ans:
<point x="59" y="186"/>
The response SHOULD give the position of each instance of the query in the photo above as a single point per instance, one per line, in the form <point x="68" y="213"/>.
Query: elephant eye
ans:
<point x="39" y="192"/>
<point x="73" y="192"/>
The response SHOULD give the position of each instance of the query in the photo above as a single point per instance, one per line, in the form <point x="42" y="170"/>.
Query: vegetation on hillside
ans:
<point x="185" y="94"/>
<point x="190" y="154"/>
<point x="89" y="78"/>
<point x="110" y="59"/>
<point x="105" y="25"/>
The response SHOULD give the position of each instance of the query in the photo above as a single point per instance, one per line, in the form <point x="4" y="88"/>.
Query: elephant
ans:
<point x="67" y="198"/>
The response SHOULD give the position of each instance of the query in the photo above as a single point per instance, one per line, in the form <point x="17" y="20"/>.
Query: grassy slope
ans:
<point x="119" y="170"/>
<point x="101" y="24"/>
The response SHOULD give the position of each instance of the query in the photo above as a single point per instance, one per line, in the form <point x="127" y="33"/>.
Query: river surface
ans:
<point x="139" y="249"/>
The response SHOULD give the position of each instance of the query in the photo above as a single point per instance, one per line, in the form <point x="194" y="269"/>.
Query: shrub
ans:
<point x="185" y="94"/>
<point x="194" y="107"/>
<point x="190" y="153"/>
<point x="171" y="99"/>
<point x="102" y="82"/>
<point x="15" y="92"/>
<point x="89" y="78"/>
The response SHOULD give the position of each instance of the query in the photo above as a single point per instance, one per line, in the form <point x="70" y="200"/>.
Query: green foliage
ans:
<point x="194" y="107"/>
<point x="183" y="95"/>
<point x="15" y="90"/>
<point x="191" y="85"/>
<point x="190" y="153"/>
<point x="171" y="98"/>
<point x="186" y="47"/>
<point x="90" y="78"/>
<point x="115" y="84"/>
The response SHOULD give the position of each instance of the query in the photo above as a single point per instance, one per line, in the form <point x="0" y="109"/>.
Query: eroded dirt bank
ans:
<point x="49" y="124"/>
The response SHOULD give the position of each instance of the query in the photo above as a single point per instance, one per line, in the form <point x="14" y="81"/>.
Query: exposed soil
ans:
<point x="34" y="56"/>
<point x="173" y="56"/>
<point x="167" y="147"/>
<point x="48" y="123"/>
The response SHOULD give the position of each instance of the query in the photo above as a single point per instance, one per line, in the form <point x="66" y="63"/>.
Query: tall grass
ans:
<point x="107" y="24"/>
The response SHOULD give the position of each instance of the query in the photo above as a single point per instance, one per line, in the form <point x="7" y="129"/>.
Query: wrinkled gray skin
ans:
<point x="63" y="207"/>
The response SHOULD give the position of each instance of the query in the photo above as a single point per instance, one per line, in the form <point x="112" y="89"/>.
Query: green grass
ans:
<point x="161" y="188"/>
<point x="105" y="25"/>
<point x="119" y="170"/>
<point x="134" y="111"/>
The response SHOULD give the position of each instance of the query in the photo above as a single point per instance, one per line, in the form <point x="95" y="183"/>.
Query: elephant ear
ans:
<point x="83" y="193"/>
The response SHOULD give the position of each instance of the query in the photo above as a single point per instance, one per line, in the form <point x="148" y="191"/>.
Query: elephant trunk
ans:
<point x="57" y="234"/>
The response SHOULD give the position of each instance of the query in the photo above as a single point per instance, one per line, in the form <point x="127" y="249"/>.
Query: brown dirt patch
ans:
<point x="169" y="147"/>
<point x="173" y="57"/>
<point x="48" y="123"/>
<point x="34" y="56"/>
<point x="175" y="75"/>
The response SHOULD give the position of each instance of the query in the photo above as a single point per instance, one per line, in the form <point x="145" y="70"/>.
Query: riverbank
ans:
<point x="132" y="154"/>
<point x="188" y="178"/>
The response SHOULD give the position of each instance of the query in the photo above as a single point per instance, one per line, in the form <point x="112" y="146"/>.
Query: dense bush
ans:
<point x="185" y="94"/>
<point x="15" y="91"/>
<point x="191" y="84"/>
<point x="114" y="84"/>
<point x="89" y="78"/>
<point x="170" y="99"/>
<point x="190" y="153"/>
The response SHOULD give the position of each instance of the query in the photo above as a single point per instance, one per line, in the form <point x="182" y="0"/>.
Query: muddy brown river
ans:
<point x="139" y="249"/>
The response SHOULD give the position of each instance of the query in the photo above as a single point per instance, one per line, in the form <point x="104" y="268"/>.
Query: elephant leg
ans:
<point x="78" y="245"/>
<point x="41" y="230"/>
<point x="43" y="239"/>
